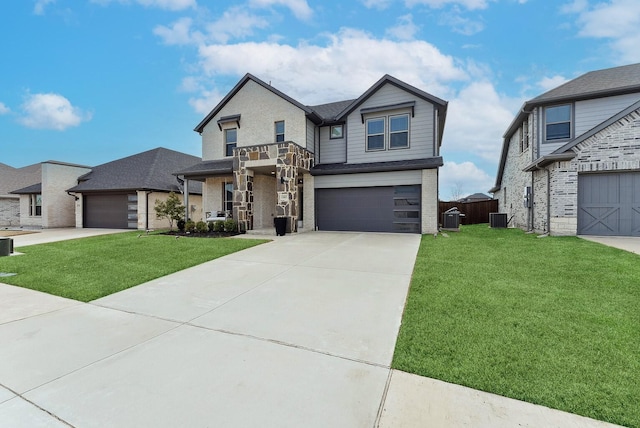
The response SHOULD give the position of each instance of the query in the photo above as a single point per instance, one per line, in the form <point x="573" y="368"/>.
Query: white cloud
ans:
<point x="406" y="29"/>
<point x="40" y="5"/>
<point x="235" y="23"/>
<point x="347" y="65"/>
<point x="377" y="4"/>
<point x="51" y="111"/>
<point x="614" y="20"/>
<point x="437" y="4"/>
<point x="161" y="4"/>
<point x="300" y="8"/>
<point x="460" y="24"/>
<point x="476" y="120"/>
<point x="4" y="109"/>
<point x="465" y="178"/>
<point x="548" y="83"/>
<point x="178" y="33"/>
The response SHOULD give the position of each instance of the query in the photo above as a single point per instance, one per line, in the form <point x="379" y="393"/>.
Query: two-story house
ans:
<point x="570" y="160"/>
<point x="369" y="164"/>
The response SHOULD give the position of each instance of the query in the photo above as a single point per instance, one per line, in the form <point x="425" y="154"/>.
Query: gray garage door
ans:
<point x="116" y="211"/>
<point x="609" y="204"/>
<point x="369" y="209"/>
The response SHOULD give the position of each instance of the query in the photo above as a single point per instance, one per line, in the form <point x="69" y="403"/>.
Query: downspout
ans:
<point x="531" y="203"/>
<point x="548" y="201"/>
<point x="146" y="209"/>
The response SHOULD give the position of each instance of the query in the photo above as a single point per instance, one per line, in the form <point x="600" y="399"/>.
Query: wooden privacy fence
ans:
<point x="474" y="212"/>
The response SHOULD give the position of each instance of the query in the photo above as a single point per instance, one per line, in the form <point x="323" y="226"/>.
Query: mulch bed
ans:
<point x="177" y="233"/>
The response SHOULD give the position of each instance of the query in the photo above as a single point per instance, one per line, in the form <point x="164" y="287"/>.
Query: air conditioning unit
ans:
<point x="498" y="219"/>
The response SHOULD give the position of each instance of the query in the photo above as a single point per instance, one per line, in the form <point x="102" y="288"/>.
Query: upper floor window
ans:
<point x="557" y="121"/>
<point x="375" y="133"/>
<point x="280" y="131"/>
<point x="35" y="205"/>
<point x="399" y="131"/>
<point x="524" y="136"/>
<point x="230" y="140"/>
<point x="336" y="132"/>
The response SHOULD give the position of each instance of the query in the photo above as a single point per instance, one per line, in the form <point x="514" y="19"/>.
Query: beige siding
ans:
<point x="58" y="208"/>
<point x="260" y="109"/>
<point x="421" y="130"/>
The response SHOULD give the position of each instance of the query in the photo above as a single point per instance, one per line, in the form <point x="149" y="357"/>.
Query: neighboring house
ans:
<point x="12" y="179"/>
<point x="475" y="198"/>
<point x="570" y="161"/>
<point x="121" y="194"/>
<point x="369" y="164"/>
<point x="45" y="203"/>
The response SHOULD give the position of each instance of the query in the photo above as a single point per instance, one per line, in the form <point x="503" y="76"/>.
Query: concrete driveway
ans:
<point x="296" y="332"/>
<point x="626" y="243"/>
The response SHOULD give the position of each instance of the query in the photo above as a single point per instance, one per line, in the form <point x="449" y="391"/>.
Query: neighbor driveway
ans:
<point x="296" y="332"/>
<point x="627" y="243"/>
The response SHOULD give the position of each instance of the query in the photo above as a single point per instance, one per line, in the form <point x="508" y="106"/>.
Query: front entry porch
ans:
<point x="267" y="183"/>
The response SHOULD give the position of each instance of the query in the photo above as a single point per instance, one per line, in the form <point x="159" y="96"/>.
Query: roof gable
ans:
<point x="249" y="77"/>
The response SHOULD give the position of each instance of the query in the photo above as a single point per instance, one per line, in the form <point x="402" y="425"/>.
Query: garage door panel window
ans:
<point x="375" y="134"/>
<point x="406" y="209"/>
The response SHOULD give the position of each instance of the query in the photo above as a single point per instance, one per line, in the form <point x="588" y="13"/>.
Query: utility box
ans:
<point x="451" y="219"/>
<point x="498" y="220"/>
<point x="6" y="246"/>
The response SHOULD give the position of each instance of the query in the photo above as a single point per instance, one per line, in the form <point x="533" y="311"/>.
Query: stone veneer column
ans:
<point x="242" y="190"/>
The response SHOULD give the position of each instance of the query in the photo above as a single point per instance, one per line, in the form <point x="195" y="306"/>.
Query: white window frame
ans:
<point x="34" y="205"/>
<point x="546" y="124"/>
<point x="227" y="143"/>
<point x="277" y="134"/>
<point x="339" y="134"/>
<point x="383" y="133"/>
<point x="400" y="132"/>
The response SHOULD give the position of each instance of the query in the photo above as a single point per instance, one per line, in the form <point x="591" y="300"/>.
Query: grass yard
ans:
<point x="553" y="321"/>
<point x="89" y="268"/>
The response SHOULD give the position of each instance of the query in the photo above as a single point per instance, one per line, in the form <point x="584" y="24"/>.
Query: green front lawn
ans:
<point x="90" y="268"/>
<point x="553" y="321"/>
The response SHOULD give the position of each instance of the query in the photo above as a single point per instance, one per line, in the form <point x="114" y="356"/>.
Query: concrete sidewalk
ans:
<point x="296" y="332"/>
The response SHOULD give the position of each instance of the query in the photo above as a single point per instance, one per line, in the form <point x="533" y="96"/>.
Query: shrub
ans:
<point x="218" y="226"/>
<point x="210" y="226"/>
<point x="201" y="227"/>
<point x="171" y="209"/>
<point x="190" y="226"/>
<point x="181" y="224"/>
<point x="230" y="225"/>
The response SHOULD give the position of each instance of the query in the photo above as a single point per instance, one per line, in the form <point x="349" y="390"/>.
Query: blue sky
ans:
<point x="91" y="81"/>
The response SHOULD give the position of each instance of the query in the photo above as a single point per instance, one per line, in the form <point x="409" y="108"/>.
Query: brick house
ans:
<point x="570" y="160"/>
<point x="369" y="164"/>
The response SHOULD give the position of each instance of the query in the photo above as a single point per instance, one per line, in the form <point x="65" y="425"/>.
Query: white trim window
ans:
<point x="399" y="131"/>
<point x="227" y="198"/>
<point x="557" y="123"/>
<point x="375" y="133"/>
<point x="35" y="205"/>
<point x="279" y="128"/>
<point x="336" y="132"/>
<point x="230" y="140"/>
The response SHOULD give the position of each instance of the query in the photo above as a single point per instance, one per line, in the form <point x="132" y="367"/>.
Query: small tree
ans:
<point x="171" y="209"/>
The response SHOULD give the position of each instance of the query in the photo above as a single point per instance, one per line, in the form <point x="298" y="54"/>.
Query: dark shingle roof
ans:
<point x="33" y="189"/>
<point x="207" y="169"/>
<point x="594" y="83"/>
<point x="150" y="170"/>
<point x="330" y="111"/>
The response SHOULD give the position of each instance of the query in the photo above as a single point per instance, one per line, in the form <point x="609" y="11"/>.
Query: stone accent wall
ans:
<point x="289" y="160"/>
<point x="9" y="211"/>
<point x="429" y="208"/>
